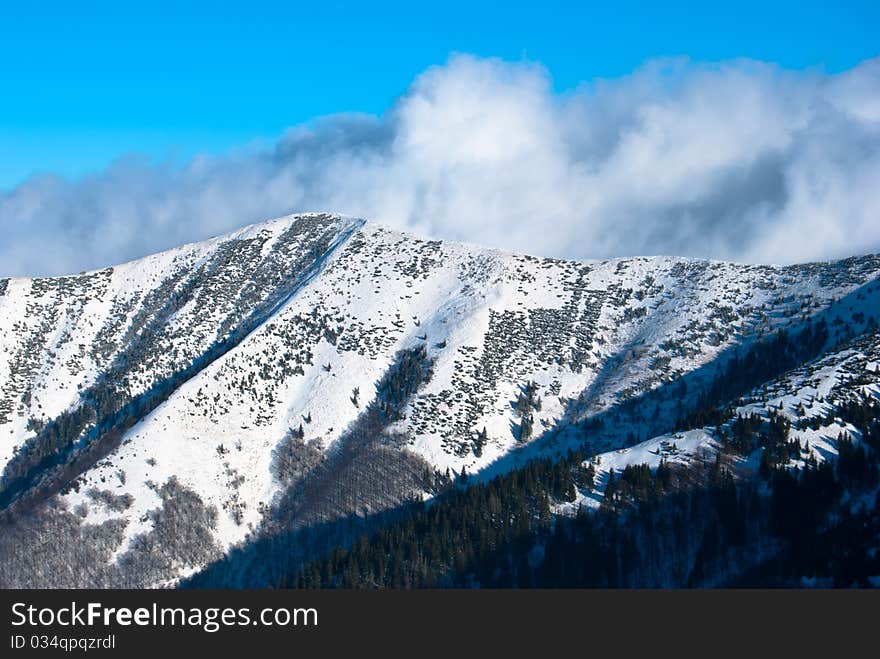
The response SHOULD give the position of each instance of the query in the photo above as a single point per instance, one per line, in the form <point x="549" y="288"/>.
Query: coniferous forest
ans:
<point x="761" y="510"/>
<point x="694" y="526"/>
<point x="320" y="402"/>
<point x="675" y="526"/>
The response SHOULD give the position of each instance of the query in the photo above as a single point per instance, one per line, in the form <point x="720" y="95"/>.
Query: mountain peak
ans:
<point x="317" y="366"/>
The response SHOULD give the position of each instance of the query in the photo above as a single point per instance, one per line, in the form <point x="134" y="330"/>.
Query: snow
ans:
<point x="680" y="448"/>
<point x="484" y="316"/>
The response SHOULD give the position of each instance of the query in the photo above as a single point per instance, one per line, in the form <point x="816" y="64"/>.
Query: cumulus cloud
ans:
<point x="737" y="160"/>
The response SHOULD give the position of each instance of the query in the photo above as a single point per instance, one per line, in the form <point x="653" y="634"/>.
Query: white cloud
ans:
<point x="738" y="160"/>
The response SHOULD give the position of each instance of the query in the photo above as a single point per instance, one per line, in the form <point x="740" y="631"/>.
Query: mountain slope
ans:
<point x="313" y="367"/>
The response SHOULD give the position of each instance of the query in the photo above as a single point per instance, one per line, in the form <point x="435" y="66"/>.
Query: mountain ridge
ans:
<point x="458" y="356"/>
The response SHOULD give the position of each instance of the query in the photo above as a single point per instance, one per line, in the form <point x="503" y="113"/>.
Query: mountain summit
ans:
<point x="316" y="368"/>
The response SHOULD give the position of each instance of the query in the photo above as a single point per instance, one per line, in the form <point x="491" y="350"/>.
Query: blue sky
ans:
<point x="85" y="82"/>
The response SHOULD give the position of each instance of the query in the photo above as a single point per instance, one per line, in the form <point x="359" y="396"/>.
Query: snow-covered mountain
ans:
<point x="156" y="414"/>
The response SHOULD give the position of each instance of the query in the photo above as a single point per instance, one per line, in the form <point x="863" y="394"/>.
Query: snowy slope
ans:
<point x="805" y="396"/>
<point x="291" y="324"/>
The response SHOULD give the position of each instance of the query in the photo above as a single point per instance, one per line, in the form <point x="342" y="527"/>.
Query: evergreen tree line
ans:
<point x="672" y="526"/>
<point x="763" y="361"/>
<point x="411" y="368"/>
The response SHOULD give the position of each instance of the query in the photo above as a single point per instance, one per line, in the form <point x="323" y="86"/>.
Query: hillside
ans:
<point x="158" y="414"/>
